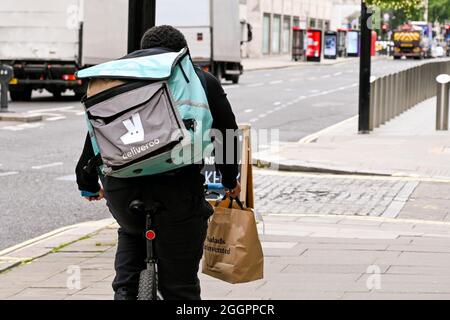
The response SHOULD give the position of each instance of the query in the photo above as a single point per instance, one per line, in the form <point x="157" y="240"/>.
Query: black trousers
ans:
<point x="180" y="228"/>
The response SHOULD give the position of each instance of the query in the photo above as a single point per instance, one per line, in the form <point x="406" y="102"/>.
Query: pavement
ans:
<point x="306" y="257"/>
<point x="285" y="61"/>
<point x="407" y="146"/>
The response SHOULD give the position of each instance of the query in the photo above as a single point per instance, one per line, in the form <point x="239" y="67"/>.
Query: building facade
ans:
<point x="272" y="22"/>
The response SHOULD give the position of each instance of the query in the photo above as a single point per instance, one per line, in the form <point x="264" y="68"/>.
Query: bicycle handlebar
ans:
<point x="214" y="186"/>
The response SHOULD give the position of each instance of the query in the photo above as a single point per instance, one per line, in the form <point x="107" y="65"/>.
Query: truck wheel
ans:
<point x="397" y="58"/>
<point x="21" y="95"/>
<point x="235" y="79"/>
<point x="57" y="94"/>
<point x="81" y="91"/>
<point x="218" y="73"/>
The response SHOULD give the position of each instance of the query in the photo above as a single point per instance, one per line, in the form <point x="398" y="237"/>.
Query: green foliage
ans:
<point x="439" y="10"/>
<point x="407" y="6"/>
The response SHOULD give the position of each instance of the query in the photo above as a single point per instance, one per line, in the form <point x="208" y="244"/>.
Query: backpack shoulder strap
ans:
<point x="201" y="75"/>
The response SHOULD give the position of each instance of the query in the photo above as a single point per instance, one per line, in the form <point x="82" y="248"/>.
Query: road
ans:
<point x="38" y="192"/>
<point x="302" y="101"/>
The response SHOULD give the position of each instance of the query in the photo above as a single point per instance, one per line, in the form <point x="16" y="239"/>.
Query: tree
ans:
<point x="439" y="10"/>
<point x="408" y="6"/>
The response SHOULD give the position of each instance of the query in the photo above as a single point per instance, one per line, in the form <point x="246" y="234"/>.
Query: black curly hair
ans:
<point x="163" y="36"/>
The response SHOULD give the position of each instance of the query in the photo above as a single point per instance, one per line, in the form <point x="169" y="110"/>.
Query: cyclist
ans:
<point x="182" y="220"/>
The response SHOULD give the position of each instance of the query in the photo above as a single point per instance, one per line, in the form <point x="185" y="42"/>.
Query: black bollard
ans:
<point x="6" y="74"/>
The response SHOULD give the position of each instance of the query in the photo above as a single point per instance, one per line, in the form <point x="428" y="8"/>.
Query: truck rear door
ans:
<point x="193" y="20"/>
<point x="39" y="30"/>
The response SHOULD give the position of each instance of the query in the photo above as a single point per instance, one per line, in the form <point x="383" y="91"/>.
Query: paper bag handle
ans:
<point x="238" y="201"/>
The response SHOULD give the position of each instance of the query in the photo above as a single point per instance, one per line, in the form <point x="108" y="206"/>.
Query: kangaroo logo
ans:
<point x="135" y="130"/>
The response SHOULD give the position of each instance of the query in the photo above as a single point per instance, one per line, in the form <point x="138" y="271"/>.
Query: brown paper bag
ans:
<point x="232" y="250"/>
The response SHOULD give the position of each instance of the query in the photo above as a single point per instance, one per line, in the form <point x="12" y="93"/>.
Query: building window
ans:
<point x="312" y="23"/>
<point x="266" y="33"/>
<point x="286" y="34"/>
<point x="320" y="24"/>
<point x="296" y="22"/>
<point x="276" y="34"/>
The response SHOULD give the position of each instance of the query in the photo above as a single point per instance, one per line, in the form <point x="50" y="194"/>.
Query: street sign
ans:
<point x="6" y="74"/>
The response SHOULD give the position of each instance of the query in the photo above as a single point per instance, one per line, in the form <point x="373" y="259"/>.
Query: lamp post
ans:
<point x="141" y="17"/>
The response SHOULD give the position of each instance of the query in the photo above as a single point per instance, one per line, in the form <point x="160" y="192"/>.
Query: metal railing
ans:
<point x="393" y="94"/>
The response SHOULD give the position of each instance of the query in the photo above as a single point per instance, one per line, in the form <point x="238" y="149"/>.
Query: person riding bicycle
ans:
<point x="181" y="223"/>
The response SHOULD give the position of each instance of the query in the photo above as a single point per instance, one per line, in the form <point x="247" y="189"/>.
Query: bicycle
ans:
<point x="148" y="278"/>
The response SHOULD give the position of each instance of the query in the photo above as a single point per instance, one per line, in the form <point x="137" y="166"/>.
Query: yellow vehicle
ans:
<point x="408" y="44"/>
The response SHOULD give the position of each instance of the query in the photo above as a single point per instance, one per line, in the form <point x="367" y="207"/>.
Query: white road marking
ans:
<point x="69" y="109"/>
<point x="56" y="118"/>
<point x="23" y="126"/>
<point x="233" y="86"/>
<point x="82" y="113"/>
<point x="71" y="177"/>
<point x="263" y="115"/>
<point x="337" y="74"/>
<point x="276" y="82"/>
<point x="254" y="85"/>
<point x="314" y="91"/>
<point x="51" y="109"/>
<point x="248" y="110"/>
<point x="326" y="76"/>
<point x="55" y="164"/>
<point x="288" y="89"/>
<point x="11" y="173"/>
<point x="254" y="120"/>
<point x="277" y="103"/>
<point x="314" y="136"/>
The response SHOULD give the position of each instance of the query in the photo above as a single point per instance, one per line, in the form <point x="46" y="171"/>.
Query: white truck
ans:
<point x="213" y="31"/>
<point x="47" y="41"/>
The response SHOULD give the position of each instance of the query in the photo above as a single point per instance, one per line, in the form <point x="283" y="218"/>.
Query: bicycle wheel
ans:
<point x="148" y="284"/>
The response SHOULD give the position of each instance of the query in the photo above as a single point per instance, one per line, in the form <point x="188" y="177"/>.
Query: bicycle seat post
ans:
<point x="138" y="207"/>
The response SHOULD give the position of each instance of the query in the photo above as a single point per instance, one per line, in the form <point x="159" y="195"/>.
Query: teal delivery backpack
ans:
<point x="147" y="114"/>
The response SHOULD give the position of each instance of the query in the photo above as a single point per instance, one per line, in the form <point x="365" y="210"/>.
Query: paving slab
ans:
<point x="296" y="266"/>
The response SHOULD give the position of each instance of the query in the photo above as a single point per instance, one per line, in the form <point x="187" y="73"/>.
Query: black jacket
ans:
<point x="223" y="119"/>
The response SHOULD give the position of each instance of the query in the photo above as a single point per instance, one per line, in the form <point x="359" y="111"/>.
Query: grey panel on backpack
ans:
<point x="146" y="123"/>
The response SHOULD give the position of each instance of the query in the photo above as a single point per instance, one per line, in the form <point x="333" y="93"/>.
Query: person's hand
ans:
<point x="101" y="195"/>
<point x="234" y="193"/>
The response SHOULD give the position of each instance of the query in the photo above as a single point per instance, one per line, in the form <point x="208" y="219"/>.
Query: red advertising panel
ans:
<point x="314" y="48"/>
<point x="373" y="50"/>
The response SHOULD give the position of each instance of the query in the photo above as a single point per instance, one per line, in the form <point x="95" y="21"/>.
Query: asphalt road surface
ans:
<point x="37" y="189"/>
